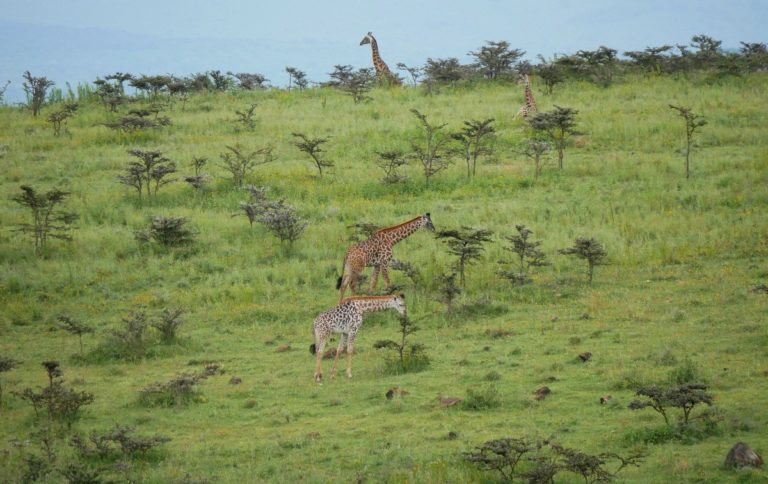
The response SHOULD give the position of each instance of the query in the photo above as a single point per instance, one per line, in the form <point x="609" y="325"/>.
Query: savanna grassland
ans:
<point x="675" y="295"/>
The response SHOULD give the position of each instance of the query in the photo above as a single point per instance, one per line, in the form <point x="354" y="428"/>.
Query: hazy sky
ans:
<point x="77" y="40"/>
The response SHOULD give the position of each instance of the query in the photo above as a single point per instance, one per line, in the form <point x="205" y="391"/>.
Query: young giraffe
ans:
<point x="346" y="319"/>
<point x="376" y="251"/>
<point x="530" y="103"/>
<point x="382" y="70"/>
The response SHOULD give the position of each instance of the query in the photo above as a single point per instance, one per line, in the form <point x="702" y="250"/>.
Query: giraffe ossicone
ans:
<point x="346" y="319"/>
<point x="376" y="252"/>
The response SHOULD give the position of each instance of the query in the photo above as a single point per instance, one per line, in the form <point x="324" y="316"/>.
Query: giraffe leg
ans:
<point x="342" y="344"/>
<point x="351" y="345"/>
<point x="385" y="275"/>
<point x="349" y="359"/>
<point x="343" y="286"/>
<point x="319" y="348"/>
<point x="375" y="277"/>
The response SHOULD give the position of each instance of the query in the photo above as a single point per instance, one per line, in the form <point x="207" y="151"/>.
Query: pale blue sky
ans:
<point x="78" y="40"/>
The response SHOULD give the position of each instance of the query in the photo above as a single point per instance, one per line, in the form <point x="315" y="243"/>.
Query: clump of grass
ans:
<point x="481" y="398"/>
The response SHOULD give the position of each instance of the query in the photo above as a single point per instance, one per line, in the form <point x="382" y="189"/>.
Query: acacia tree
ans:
<point x="473" y="138"/>
<point x="430" y="153"/>
<point x="535" y="149"/>
<point x="495" y="59"/>
<point x="6" y="364"/>
<point x="241" y="163"/>
<point x="151" y="167"/>
<point x="466" y="244"/>
<point x="557" y="125"/>
<point x="313" y="147"/>
<point x="59" y="118"/>
<point x="588" y="249"/>
<point x="528" y="255"/>
<point x="296" y="76"/>
<point x="692" y="123"/>
<point x="36" y="88"/>
<point x="47" y="219"/>
<point x="75" y="327"/>
<point x="550" y="73"/>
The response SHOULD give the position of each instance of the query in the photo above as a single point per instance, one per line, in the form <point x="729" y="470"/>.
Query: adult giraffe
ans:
<point x="529" y="106"/>
<point x="376" y="251"/>
<point x="382" y="70"/>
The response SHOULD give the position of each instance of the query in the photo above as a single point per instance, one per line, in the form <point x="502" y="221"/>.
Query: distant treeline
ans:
<point x="495" y="61"/>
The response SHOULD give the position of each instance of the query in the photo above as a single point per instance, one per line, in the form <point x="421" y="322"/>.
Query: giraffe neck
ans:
<point x="366" y="304"/>
<point x="399" y="232"/>
<point x="378" y="64"/>
<point x="530" y="102"/>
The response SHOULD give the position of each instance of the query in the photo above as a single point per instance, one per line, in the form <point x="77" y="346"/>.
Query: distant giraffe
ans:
<point x="530" y="103"/>
<point x="382" y="70"/>
<point x="346" y="319"/>
<point x="376" y="251"/>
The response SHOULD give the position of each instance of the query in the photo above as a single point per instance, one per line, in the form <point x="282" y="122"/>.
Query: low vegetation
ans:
<point x="171" y="283"/>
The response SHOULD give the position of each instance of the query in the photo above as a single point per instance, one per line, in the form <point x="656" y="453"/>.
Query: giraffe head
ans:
<point x="399" y="304"/>
<point x="523" y="78"/>
<point x="367" y="39"/>
<point x="426" y="221"/>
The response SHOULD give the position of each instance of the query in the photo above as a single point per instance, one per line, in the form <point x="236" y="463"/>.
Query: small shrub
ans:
<point x="59" y="402"/>
<point x="539" y="461"/>
<point x="199" y="180"/>
<point x="150" y="168"/>
<point x="479" y="399"/>
<point x="557" y="125"/>
<point x="130" y="342"/>
<point x="240" y="163"/>
<point x="115" y="443"/>
<point x="36" y="89"/>
<point x="474" y="139"/>
<point x="48" y="221"/>
<point x="466" y="244"/>
<point x="686" y="372"/>
<point x="178" y="391"/>
<point x="410" y="357"/>
<point x="431" y="152"/>
<point x="313" y="148"/>
<point x="692" y="123"/>
<point x="58" y="119"/>
<point x="168" y="324"/>
<point x="528" y="255"/>
<point x="6" y="364"/>
<point x="502" y="455"/>
<point x="167" y="231"/>
<point x="588" y="249"/>
<point x="75" y="327"/>
<point x="80" y="473"/>
<point x="391" y="161"/>
<point x="245" y="117"/>
<point x="448" y="289"/>
<point x="685" y="397"/>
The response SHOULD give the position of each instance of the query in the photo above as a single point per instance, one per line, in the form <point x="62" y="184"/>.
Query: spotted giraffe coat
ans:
<point x="376" y="252"/>
<point x="529" y="106"/>
<point x="346" y="318"/>
<point x="382" y="69"/>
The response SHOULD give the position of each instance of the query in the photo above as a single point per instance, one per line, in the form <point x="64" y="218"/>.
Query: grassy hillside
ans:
<point x="675" y="296"/>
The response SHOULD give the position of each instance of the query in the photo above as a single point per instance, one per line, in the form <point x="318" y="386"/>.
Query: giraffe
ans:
<point x="346" y="319"/>
<point x="382" y="70"/>
<point x="376" y="251"/>
<point x="530" y="103"/>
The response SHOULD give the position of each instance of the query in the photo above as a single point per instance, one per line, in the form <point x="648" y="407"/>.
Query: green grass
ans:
<point x="682" y="256"/>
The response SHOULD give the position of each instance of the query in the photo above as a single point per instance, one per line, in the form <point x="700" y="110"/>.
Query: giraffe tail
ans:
<point x="313" y="348"/>
<point x="338" y="282"/>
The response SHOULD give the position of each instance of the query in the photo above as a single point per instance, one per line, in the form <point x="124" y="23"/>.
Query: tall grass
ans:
<point x="682" y="255"/>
